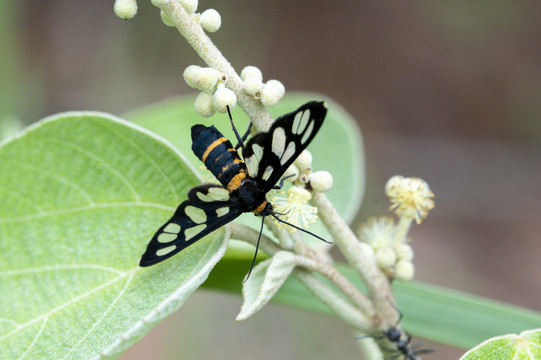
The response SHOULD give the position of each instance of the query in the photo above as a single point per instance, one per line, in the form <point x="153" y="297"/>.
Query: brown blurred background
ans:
<point x="448" y="91"/>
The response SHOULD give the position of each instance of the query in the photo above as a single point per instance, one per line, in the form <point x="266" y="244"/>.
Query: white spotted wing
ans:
<point x="268" y="155"/>
<point x="208" y="207"/>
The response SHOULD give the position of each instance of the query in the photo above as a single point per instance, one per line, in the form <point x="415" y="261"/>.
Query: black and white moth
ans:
<point x="245" y="181"/>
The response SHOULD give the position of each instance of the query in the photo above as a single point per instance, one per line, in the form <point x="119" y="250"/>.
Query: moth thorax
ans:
<point x="250" y="196"/>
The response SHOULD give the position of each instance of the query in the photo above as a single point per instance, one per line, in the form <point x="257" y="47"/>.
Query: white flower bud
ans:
<point x="253" y="86"/>
<point x="272" y="92"/>
<point x="210" y="20"/>
<point x="224" y="97"/>
<point x="251" y="72"/>
<point x="203" y="105"/>
<point x="291" y="170"/>
<point x="204" y="79"/>
<point x="189" y="5"/>
<point x="159" y="3"/>
<point x="166" y="19"/>
<point x="125" y="9"/>
<point x="304" y="160"/>
<point x="321" y="181"/>
<point x="404" y="270"/>
<point x="404" y="252"/>
<point x="385" y="257"/>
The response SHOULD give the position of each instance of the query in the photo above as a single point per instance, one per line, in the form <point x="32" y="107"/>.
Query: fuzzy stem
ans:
<point x="339" y="280"/>
<point x="342" y="308"/>
<point x="205" y="48"/>
<point x="358" y="255"/>
<point x="404" y="225"/>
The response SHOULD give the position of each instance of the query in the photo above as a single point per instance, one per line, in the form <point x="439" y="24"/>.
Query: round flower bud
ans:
<point x="385" y="257"/>
<point x="189" y="5"/>
<point x="404" y="270"/>
<point x="210" y="20"/>
<point x="321" y="181"/>
<point x="159" y="3"/>
<point x="404" y="252"/>
<point x="203" y="105"/>
<point x="272" y="92"/>
<point x="224" y="97"/>
<point x="166" y="19"/>
<point x="251" y="72"/>
<point x="292" y="173"/>
<point x="204" y="79"/>
<point x="125" y="9"/>
<point x="304" y="160"/>
<point x="253" y="86"/>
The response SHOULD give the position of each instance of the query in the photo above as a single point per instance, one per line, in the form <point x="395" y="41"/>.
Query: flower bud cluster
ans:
<point x="394" y="259"/>
<point x="214" y="95"/>
<point x="209" y="19"/>
<point x="320" y="181"/>
<point x="268" y="93"/>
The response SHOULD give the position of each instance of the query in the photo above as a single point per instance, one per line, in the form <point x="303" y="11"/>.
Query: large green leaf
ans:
<point x="82" y="193"/>
<point x="337" y="147"/>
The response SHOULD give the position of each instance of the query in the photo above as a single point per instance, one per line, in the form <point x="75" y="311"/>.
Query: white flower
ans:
<point x="410" y="197"/>
<point x="378" y="232"/>
<point x="294" y="209"/>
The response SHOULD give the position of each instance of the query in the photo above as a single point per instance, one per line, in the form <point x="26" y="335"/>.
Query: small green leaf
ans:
<point x="265" y="280"/>
<point x="525" y="346"/>
<point x="82" y="193"/>
<point x="337" y="148"/>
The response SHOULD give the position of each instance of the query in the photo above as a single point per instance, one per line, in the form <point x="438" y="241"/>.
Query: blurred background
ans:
<point x="447" y="91"/>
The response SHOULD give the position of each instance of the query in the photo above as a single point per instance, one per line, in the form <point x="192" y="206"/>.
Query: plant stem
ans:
<point x="342" y="308"/>
<point x="192" y="31"/>
<point x="359" y="255"/>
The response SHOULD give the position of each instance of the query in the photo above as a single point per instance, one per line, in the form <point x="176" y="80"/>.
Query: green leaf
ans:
<point x="339" y="138"/>
<point x="525" y="346"/>
<point x="82" y="193"/>
<point x="430" y="312"/>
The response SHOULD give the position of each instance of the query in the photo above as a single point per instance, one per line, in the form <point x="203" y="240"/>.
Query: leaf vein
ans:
<point x="29" y="217"/>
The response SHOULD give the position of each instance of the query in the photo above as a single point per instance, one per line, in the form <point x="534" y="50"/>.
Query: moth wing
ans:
<point x="269" y="154"/>
<point x="208" y="207"/>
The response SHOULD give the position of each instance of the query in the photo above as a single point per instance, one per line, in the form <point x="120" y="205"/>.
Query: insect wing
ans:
<point x="208" y="207"/>
<point x="268" y="155"/>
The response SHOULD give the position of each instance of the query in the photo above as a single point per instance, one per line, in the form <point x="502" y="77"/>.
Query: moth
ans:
<point x="245" y="181"/>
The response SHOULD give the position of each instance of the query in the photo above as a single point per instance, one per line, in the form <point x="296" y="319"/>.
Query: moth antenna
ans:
<point x="239" y="138"/>
<point x="299" y="228"/>
<point x="256" y="248"/>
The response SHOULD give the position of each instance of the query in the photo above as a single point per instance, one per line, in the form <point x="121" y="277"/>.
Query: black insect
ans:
<point x="403" y="349"/>
<point x="245" y="181"/>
